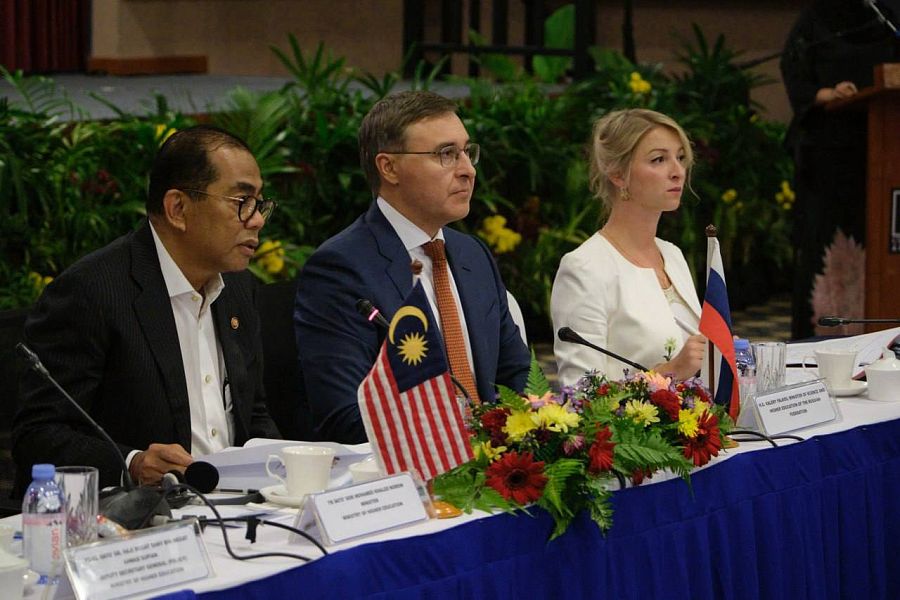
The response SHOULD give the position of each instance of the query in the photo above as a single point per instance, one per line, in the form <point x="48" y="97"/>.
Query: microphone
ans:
<point x="836" y="321"/>
<point x="370" y="312"/>
<point x="567" y="334"/>
<point x="36" y="365"/>
<point x="873" y="5"/>
<point x="131" y="507"/>
<point x="200" y="475"/>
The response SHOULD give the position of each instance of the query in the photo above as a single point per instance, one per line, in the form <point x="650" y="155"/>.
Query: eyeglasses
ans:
<point x="247" y="205"/>
<point x="448" y="155"/>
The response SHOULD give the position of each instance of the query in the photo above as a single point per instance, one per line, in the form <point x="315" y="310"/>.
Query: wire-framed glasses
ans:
<point x="247" y="205"/>
<point x="448" y="155"/>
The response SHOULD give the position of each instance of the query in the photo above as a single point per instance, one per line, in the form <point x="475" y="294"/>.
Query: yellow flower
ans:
<point x="486" y="450"/>
<point x="554" y="417"/>
<point x="729" y="195"/>
<point x="500" y="237"/>
<point x="700" y="407"/>
<point x="163" y="132"/>
<point x="638" y="84"/>
<point x="270" y="256"/>
<point x="687" y="422"/>
<point x="518" y="424"/>
<point x="642" y="413"/>
<point x="786" y="196"/>
<point x="38" y="281"/>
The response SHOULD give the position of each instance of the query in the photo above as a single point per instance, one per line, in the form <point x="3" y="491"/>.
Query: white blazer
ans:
<point x="618" y="306"/>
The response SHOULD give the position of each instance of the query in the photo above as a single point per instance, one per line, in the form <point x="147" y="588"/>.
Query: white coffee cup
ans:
<point x="364" y="470"/>
<point x="835" y="366"/>
<point x="308" y="469"/>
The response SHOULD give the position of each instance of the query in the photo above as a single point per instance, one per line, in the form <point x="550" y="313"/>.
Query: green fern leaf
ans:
<point x="536" y="383"/>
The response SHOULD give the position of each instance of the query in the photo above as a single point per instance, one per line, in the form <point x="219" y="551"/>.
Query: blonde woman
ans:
<point x="624" y="289"/>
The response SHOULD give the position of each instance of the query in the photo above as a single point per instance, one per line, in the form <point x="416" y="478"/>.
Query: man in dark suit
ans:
<point x="156" y="335"/>
<point x="421" y="167"/>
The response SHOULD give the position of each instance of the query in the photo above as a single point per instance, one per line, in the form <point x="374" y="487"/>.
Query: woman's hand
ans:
<point x="688" y="360"/>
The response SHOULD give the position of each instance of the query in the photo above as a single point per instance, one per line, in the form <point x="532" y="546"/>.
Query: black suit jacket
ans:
<point x="337" y="346"/>
<point x="106" y="332"/>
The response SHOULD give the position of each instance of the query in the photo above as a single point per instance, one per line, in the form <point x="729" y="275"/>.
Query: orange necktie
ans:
<point x="452" y="330"/>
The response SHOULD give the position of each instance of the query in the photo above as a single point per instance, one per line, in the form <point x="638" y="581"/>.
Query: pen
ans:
<point x="687" y="328"/>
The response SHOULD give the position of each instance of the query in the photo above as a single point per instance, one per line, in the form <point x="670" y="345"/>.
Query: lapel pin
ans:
<point x="235" y="322"/>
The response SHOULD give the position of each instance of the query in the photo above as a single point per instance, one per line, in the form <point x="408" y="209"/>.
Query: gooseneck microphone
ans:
<point x="37" y="366"/>
<point x="373" y="315"/>
<point x="836" y="321"/>
<point x="131" y="507"/>
<point x="567" y="334"/>
<point x="883" y="18"/>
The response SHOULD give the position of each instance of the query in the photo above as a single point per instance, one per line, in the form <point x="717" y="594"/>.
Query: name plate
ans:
<point x="363" y="509"/>
<point x="144" y="561"/>
<point x="795" y="407"/>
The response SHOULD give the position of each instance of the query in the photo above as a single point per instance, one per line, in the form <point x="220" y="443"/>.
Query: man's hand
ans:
<point x="844" y="89"/>
<point x="149" y="466"/>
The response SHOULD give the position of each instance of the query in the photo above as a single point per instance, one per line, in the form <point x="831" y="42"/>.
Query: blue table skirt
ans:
<point x="817" y="519"/>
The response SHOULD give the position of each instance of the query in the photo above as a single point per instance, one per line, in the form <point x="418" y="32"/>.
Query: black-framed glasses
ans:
<point x="448" y="155"/>
<point x="247" y="205"/>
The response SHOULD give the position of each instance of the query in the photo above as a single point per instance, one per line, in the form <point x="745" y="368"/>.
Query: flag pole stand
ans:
<point x="442" y="509"/>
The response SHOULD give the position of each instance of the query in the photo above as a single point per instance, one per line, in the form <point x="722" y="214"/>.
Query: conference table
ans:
<point x="811" y="519"/>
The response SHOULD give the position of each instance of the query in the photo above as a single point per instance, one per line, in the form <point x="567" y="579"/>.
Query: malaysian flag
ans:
<point x="407" y="400"/>
<point x="715" y="324"/>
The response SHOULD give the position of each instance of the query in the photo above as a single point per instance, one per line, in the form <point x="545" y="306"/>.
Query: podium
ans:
<point x="882" y="101"/>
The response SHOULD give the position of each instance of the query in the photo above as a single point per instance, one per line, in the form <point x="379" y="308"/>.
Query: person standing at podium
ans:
<point x="830" y="54"/>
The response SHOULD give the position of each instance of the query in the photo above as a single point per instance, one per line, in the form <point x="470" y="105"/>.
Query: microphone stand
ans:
<point x="130" y="507"/>
<point x="567" y="334"/>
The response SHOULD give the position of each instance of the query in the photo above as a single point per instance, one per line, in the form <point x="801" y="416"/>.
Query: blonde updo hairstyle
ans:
<point x="615" y="138"/>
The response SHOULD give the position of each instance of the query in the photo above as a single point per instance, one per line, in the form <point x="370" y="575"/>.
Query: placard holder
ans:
<point x="336" y="516"/>
<point x="794" y="407"/>
<point x="139" y="562"/>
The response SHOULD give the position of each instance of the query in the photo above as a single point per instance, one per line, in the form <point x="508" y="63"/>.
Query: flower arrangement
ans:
<point x="564" y="451"/>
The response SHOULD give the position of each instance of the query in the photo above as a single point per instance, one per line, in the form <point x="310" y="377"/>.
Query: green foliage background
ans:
<point x="70" y="186"/>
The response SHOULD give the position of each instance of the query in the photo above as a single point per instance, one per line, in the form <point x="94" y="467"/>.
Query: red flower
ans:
<point x="668" y="401"/>
<point x="602" y="390"/>
<point x="601" y="452"/>
<point x="639" y="475"/>
<point x="707" y="443"/>
<point x="517" y="477"/>
<point x="493" y="422"/>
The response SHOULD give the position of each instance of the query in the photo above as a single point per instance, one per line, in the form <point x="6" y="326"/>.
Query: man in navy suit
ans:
<point x="156" y="335"/>
<point x="420" y="165"/>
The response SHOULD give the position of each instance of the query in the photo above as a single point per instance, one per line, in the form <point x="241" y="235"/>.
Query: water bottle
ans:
<point x="44" y="524"/>
<point x="746" y="367"/>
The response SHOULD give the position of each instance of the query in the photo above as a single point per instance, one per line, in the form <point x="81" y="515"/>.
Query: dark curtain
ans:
<point x="44" y="36"/>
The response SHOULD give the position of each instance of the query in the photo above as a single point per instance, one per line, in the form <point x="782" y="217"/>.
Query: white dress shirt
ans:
<point x="619" y="306"/>
<point x="212" y="421"/>
<point x="413" y="238"/>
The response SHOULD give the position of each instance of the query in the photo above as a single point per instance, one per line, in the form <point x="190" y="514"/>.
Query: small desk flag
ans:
<point x="407" y="401"/>
<point x="715" y="324"/>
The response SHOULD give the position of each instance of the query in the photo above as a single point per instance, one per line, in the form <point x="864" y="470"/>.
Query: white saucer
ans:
<point x="855" y="387"/>
<point x="276" y="494"/>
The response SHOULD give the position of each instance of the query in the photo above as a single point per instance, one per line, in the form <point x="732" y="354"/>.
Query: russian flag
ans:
<point x="715" y="324"/>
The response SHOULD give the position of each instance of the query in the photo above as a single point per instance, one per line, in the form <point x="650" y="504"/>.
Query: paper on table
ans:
<point x="245" y="468"/>
<point x="868" y="345"/>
